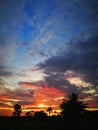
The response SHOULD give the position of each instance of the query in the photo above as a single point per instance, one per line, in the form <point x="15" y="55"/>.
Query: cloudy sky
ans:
<point x="48" y="49"/>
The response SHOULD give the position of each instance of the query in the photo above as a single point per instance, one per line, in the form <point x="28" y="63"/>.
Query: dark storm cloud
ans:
<point x="86" y="51"/>
<point x="5" y="73"/>
<point x="4" y="68"/>
<point x="81" y="13"/>
<point x="22" y="96"/>
<point x="59" y="81"/>
<point x="2" y="42"/>
<point x="24" y="93"/>
<point x="81" y="56"/>
<point x="25" y="102"/>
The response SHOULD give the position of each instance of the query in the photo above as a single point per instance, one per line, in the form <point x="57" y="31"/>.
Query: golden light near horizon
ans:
<point x="6" y="108"/>
<point x="92" y="109"/>
<point x="42" y="106"/>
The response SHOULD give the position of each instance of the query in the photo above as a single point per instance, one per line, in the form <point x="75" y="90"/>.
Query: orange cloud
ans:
<point x="5" y="112"/>
<point x="28" y="85"/>
<point x="48" y="96"/>
<point x="31" y="97"/>
<point x="34" y="97"/>
<point x="44" y="96"/>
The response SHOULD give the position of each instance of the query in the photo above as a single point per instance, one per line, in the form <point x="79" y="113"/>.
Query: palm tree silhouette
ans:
<point x="49" y="110"/>
<point x="73" y="108"/>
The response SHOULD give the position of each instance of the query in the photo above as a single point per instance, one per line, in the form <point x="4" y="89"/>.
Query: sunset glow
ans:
<point x="48" y="50"/>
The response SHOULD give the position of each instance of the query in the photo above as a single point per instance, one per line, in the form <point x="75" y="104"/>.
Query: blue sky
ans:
<point x="51" y="42"/>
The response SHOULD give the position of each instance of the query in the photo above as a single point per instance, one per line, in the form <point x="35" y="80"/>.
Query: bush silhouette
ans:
<point x="40" y="115"/>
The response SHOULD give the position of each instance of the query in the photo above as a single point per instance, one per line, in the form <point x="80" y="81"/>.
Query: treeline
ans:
<point x="73" y="116"/>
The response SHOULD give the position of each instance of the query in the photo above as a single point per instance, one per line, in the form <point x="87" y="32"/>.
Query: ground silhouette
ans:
<point x="73" y="117"/>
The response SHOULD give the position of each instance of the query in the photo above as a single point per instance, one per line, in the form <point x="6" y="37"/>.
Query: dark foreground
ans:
<point x="89" y="122"/>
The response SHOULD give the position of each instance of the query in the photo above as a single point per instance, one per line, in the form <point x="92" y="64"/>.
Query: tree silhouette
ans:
<point x="29" y="114"/>
<point x="49" y="110"/>
<point x="72" y="108"/>
<point x="17" y="110"/>
<point x="40" y="115"/>
<point x="55" y="112"/>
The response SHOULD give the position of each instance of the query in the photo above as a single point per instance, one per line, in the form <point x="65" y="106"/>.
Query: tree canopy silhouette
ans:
<point x="29" y="113"/>
<point x="72" y="108"/>
<point x="40" y="115"/>
<point x="17" y="110"/>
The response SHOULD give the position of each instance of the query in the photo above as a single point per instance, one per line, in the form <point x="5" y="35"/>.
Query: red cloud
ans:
<point x="44" y="96"/>
<point x="48" y="96"/>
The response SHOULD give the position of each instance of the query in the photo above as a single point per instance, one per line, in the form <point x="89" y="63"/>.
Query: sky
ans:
<point x="48" y="50"/>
